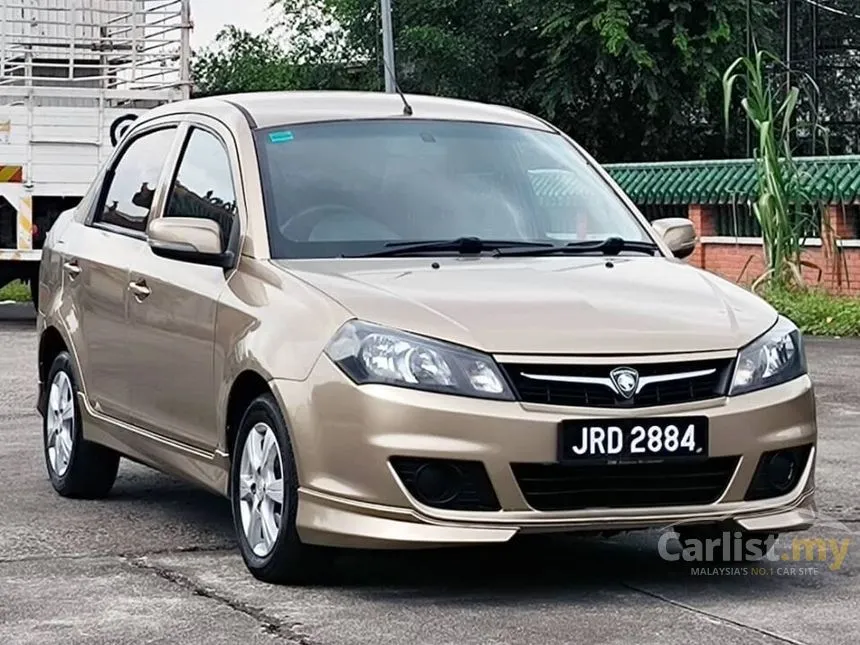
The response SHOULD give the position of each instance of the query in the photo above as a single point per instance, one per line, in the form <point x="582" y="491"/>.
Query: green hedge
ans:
<point x="17" y="291"/>
<point x="818" y="313"/>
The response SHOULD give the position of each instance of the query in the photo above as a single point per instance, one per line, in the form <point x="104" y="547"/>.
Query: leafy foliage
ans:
<point x="460" y="48"/>
<point x="785" y="209"/>
<point x="242" y="62"/>
<point x="816" y="312"/>
<point x="303" y="48"/>
<point x="15" y="292"/>
<point x="631" y="79"/>
<point x="639" y="79"/>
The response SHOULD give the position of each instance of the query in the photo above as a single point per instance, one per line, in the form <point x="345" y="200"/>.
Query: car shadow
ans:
<point x="535" y="567"/>
<point x="176" y="502"/>
<point x="541" y="566"/>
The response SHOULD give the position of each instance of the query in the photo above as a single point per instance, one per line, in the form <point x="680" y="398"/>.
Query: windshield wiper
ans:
<point x="461" y="245"/>
<point x="609" y="246"/>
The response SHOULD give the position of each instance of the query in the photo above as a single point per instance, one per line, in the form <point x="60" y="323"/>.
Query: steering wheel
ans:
<point x="300" y="226"/>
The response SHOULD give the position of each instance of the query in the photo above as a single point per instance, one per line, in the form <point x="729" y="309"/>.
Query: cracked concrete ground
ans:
<point x="156" y="562"/>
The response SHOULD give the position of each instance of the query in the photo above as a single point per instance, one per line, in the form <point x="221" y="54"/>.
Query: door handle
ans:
<point x="139" y="289"/>
<point x="72" y="268"/>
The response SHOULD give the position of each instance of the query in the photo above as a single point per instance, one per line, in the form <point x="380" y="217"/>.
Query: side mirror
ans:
<point x="189" y="239"/>
<point x="678" y="233"/>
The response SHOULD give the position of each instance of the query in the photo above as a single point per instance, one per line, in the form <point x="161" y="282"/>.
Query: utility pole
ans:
<point x="789" y="38"/>
<point x="789" y="35"/>
<point x="815" y="97"/>
<point x="388" y="46"/>
<point x="748" y="139"/>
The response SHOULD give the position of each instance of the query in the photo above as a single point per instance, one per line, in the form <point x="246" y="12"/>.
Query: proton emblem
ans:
<point x="625" y="380"/>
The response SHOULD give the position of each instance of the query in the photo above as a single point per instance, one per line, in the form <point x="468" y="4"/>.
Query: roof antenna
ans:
<point x="407" y="109"/>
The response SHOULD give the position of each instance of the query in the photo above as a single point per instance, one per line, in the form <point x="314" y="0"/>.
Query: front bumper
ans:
<point x="344" y="436"/>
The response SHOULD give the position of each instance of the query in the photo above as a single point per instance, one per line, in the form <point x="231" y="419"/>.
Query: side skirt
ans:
<point x="209" y="470"/>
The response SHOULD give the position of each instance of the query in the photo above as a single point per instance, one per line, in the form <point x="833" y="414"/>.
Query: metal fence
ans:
<point x="822" y="39"/>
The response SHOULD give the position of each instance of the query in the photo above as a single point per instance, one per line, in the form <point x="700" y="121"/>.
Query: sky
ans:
<point x="210" y="16"/>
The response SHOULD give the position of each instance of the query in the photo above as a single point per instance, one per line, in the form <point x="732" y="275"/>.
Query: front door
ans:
<point x="174" y="307"/>
<point x="96" y="253"/>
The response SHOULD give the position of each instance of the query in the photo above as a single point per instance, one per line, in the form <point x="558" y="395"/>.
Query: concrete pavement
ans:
<point x="156" y="562"/>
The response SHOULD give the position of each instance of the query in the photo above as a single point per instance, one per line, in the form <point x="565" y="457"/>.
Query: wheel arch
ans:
<point x="51" y="344"/>
<point x="247" y="386"/>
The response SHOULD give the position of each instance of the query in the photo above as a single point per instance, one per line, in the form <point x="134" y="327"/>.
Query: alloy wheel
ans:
<point x="261" y="489"/>
<point x="60" y="423"/>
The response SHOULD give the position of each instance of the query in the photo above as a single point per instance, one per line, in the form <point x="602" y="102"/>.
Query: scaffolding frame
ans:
<point x="125" y="50"/>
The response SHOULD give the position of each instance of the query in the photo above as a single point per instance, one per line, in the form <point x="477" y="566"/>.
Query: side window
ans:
<point x="135" y="178"/>
<point x="204" y="183"/>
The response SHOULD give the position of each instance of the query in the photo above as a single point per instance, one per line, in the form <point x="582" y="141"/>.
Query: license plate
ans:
<point x="632" y="440"/>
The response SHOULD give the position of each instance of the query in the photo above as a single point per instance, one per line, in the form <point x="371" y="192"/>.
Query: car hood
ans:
<point x="546" y="305"/>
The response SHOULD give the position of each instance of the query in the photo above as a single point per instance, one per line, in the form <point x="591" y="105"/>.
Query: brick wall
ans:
<point x="741" y="260"/>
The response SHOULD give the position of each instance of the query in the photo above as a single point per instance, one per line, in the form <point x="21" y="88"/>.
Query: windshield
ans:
<point x="350" y="188"/>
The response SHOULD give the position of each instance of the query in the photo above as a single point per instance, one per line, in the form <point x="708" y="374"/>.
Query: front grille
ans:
<point x="556" y="487"/>
<point x="602" y="395"/>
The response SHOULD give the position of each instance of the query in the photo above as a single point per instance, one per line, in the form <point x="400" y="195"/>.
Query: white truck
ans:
<point x="73" y="75"/>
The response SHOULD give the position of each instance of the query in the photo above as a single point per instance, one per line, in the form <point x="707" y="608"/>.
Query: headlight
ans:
<point x="369" y="353"/>
<point x="777" y="357"/>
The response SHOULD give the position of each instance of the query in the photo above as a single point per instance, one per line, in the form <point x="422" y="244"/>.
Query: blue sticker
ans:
<point x="281" y="137"/>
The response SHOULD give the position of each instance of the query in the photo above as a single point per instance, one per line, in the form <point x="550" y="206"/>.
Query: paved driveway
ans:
<point x="156" y="563"/>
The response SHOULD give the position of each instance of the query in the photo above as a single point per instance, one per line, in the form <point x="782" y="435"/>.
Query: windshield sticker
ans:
<point x="281" y="137"/>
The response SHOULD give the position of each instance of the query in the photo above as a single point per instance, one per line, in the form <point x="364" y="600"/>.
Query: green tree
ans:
<point x="640" y="79"/>
<point x="239" y="61"/>
<point x="630" y="79"/>
<point x="459" y="48"/>
<point x="303" y="48"/>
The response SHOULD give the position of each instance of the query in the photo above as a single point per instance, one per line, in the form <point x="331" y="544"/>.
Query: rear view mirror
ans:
<point x="678" y="233"/>
<point x="189" y="239"/>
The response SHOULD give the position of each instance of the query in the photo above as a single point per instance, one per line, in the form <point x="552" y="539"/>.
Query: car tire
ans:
<point x="77" y="468"/>
<point x="264" y="512"/>
<point x="703" y="533"/>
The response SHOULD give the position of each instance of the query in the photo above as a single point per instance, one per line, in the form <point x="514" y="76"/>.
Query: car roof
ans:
<point x="270" y="109"/>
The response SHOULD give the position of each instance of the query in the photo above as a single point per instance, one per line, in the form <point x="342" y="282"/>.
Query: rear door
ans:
<point x="96" y="254"/>
<point x="173" y="316"/>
